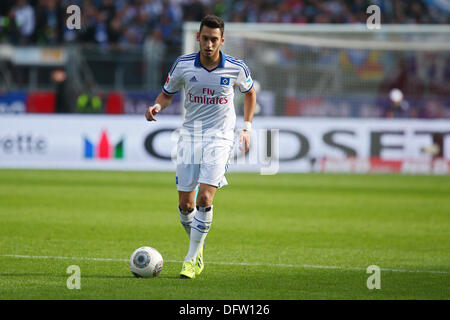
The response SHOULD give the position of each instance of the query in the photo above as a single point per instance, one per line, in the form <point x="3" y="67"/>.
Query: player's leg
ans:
<point x="211" y="177"/>
<point x="187" y="182"/>
<point x="187" y="173"/>
<point x="202" y="220"/>
<point x="199" y="230"/>
<point x="205" y="195"/>
<point x="186" y="209"/>
<point x="212" y="170"/>
<point x="187" y="212"/>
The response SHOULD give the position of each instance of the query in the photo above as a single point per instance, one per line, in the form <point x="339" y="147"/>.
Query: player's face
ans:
<point x="210" y="40"/>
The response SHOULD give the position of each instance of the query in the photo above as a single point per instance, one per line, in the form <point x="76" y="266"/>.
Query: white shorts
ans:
<point x="202" y="162"/>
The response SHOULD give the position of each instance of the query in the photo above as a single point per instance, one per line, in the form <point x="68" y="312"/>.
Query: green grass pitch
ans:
<point x="287" y="236"/>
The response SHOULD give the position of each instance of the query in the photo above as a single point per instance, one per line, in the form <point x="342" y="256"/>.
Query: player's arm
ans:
<point x="249" y="105"/>
<point x="172" y="85"/>
<point x="249" y="110"/>
<point x="162" y="101"/>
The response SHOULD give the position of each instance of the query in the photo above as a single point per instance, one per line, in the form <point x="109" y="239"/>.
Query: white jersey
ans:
<point x="209" y="94"/>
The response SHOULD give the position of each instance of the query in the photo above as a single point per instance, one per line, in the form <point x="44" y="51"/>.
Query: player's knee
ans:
<point x="204" y="199"/>
<point x="186" y="205"/>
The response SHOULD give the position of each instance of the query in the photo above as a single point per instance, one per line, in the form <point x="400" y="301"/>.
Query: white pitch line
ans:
<point x="59" y="257"/>
<point x="304" y="266"/>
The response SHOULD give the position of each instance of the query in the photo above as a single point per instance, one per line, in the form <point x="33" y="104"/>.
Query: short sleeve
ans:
<point x="174" y="80"/>
<point x="244" y="79"/>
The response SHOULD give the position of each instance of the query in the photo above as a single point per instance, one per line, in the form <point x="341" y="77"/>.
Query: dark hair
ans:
<point x="212" y="21"/>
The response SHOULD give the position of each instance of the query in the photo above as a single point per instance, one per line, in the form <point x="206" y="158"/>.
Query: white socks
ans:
<point x="199" y="230"/>
<point x="186" y="218"/>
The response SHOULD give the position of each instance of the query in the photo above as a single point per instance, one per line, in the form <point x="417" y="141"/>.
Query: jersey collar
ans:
<point x="221" y="64"/>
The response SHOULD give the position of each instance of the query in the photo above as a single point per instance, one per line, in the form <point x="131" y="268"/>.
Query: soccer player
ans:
<point x="207" y="136"/>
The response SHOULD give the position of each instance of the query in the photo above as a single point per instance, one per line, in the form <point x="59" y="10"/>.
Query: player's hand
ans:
<point x="244" y="140"/>
<point x="152" y="112"/>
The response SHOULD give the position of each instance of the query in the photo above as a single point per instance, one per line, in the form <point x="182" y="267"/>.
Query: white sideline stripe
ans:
<point x="305" y="266"/>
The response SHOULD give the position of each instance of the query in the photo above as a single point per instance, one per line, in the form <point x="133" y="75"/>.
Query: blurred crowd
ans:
<point x="132" y="22"/>
<point x="155" y="26"/>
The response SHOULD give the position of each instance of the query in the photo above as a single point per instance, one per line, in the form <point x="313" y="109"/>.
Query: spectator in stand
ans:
<point x="136" y="30"/>
<point x="397" y="107"/>
<point x="5" y="21"/>
<point x="65" y="94"/>
<point x="193" y="10"/>
<point x="109" y="9"/>
<point x="5" y="7"/>
<point x="115" y="32"/>
<point x="88" y="22"/>
<point x="155" y="51"/>
<point x="49" y="22"/>
<point x="23" y="20"/>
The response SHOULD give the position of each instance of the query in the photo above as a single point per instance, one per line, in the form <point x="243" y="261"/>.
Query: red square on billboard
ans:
<point x="41" y="102"/>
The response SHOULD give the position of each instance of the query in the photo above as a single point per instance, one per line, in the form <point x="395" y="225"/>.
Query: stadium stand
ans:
<point x="124" y="42"/>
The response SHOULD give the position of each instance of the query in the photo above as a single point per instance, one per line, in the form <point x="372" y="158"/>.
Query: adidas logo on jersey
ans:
<point x="193" y="79"/>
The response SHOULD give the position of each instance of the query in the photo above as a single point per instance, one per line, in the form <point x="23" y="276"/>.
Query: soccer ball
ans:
<point x="146" y="262"/>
